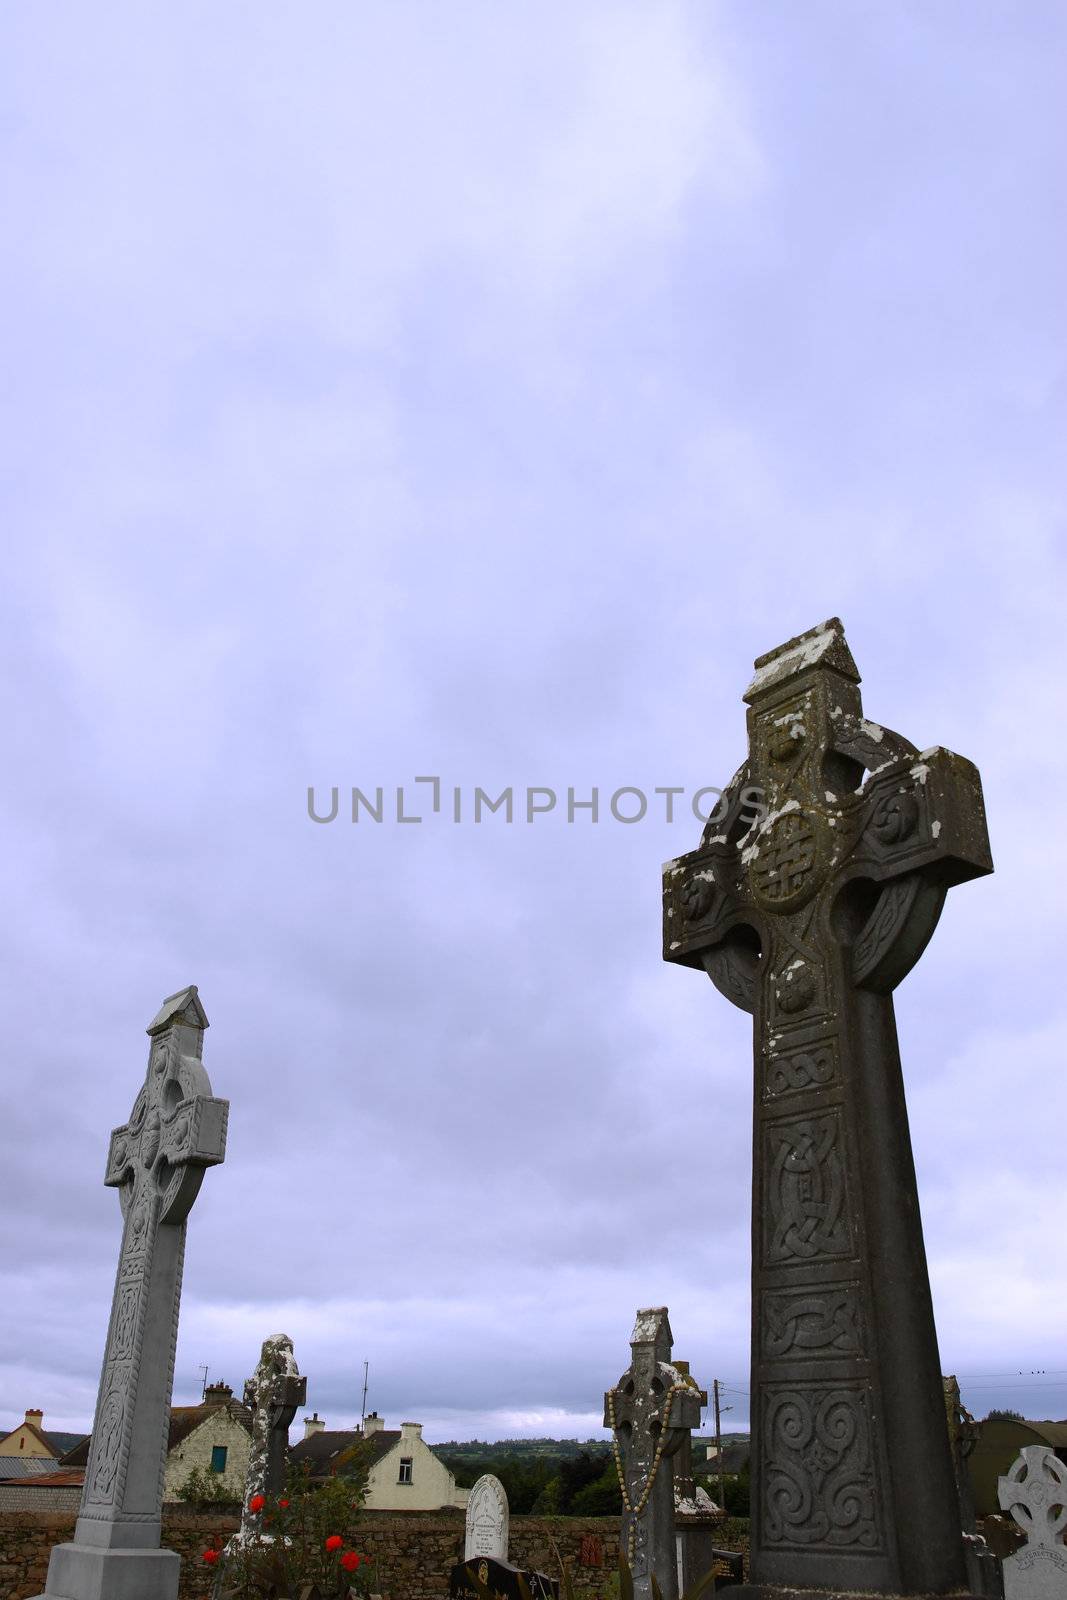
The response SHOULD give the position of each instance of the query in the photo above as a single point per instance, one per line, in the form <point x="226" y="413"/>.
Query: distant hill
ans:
<point x="521" y="1449"/>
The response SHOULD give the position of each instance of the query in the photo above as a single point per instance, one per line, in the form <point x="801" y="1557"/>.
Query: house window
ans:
<point x="218" y="1458"/>
<point x="405" y="1469"/>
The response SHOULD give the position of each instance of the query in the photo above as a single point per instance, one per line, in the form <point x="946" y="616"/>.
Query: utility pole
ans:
<point x="718" y="1440"/>
<point x="203" y="1387"/>
<point x="363" y="1412"/>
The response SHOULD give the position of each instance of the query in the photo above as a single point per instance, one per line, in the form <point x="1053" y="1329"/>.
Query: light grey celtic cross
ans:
<point x="156" y="1161"/>
<point x="651" y="1410"/>
<point x="272" y="1394"/>
<point x="1034" y="1492"/>
<point x="808" y="917"/>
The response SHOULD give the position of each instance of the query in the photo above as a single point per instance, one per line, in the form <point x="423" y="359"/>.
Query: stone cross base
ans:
<point x="82" y="1572"/>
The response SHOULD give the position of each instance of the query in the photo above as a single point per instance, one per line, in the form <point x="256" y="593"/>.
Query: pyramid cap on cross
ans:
<point x="180" y="1009"/>
<point x="822" y="646"/>
<point x="652" y="1327"/>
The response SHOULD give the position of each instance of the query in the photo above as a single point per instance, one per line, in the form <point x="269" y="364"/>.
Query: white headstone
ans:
<point x="1034" y="1492"/>
<point x="487" y="1520"/>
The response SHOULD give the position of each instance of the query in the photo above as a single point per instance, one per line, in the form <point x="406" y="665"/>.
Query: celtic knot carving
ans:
<point x="783" y="867"/>
<point x="879" y="932"/>
<point x="805" y="1213"/>
<point x="799" y="1069"/>
<point x="818" y="1479"/>
<point x="815" y="1321"/>
<point x="106" y="1445"/>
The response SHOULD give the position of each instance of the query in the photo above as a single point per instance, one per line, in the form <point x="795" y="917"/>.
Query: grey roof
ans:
<point x="25" y="1466"/>
<point x="322" y="1449"/>
<point x="62" y="1442"/>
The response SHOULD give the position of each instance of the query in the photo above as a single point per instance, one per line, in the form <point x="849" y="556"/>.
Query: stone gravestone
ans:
<point x="651" y="1410"/>
<point x="156" y="1161"/>
<point x="808" y="917"/>
<point x="485" y="1549"/>
<point x="1034" y="1493"/>
<point x="272" y="1394"/>
<point x="487" y="1520"/>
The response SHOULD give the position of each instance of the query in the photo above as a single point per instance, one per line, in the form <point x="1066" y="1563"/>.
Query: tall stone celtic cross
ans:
<point x="272" y="1394"/>
<point x="156" y="1161"/>
<point x="808" y="917"/>
<point x="651" y="1410"/>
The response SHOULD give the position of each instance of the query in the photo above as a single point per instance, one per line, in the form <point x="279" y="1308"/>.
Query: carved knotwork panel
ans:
<point x="826" y="1320"/>
<point x="805" y="1214"/>
<point x="799" y="1067"/>
<point x="786" y="861"/>
<point x="818" y="1472"/>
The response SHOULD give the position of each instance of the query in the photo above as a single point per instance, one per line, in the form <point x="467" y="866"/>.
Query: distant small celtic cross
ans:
<point x="808" y="918"/>
<point x="1034" y="1492"/>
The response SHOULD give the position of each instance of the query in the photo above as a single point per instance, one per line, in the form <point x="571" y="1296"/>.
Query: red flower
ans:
<point x="256" y="1503"/>
<point x="211" y="1556"/>
<point x="334" y="1542"/>
<point x="350" y="1561"/>
<point x="284" y="1504"/>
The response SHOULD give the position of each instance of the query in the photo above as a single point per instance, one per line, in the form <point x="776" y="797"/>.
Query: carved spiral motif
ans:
<point x="696" y="898"/>
<point x="819" y="1488"/>
<point x="895" y="817"/>
<point x="796" y="989"/>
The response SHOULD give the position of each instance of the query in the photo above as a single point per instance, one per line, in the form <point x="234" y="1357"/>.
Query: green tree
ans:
<point x="600" y="1498"/>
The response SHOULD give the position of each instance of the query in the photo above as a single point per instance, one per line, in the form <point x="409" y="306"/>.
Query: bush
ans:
<point x="207" y="1491"/>
<point x="305" y="1536"/>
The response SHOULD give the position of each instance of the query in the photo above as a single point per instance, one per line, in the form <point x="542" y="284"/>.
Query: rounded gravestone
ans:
<point x="487" y="1520"/>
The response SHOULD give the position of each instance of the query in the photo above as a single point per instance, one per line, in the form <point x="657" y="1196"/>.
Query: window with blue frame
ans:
<point x="218" y="1458"/>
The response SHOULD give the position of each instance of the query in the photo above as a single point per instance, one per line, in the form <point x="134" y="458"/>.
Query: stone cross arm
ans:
<point x="176" y="1146"/>
<point x="286" y="1392"/>
<point x="683" y="1415"/>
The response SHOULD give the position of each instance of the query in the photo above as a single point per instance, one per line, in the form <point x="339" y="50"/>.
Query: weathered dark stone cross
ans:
<point x="272" y="1394"/>
<point x="808" y="918"/>
<point x="651" y="1411"/>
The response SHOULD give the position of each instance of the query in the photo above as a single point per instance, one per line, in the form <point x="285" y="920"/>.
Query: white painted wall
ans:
<point x="431" y="1486"/>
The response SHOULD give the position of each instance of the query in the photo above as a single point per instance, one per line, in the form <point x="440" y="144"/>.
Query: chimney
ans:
<point x="312" y="1425"/>
<point x="217" y="1394"/>
<point x="410" y="1431"/>
<point x="35" y="1417"/>
<point x="372" y="1424"/>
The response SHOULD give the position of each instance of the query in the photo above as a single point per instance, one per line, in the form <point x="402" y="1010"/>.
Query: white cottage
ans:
<point x="404" y="1474"/>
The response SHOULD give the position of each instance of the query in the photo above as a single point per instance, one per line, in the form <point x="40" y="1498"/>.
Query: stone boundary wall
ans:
<point x="61" y="1498"/>
<point x="414" y="1550"/>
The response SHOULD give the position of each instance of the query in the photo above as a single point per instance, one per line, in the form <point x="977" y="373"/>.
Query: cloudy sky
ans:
<point x="405" y="389"/>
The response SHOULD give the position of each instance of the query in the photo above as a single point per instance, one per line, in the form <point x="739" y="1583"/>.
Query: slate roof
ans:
<point x="62" y="1442"/>
<point x="24" y="1467"/>
<point x="735" y="1457"/>
<point x="323" y="1449"/>
<point x="184" y="1419"/>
